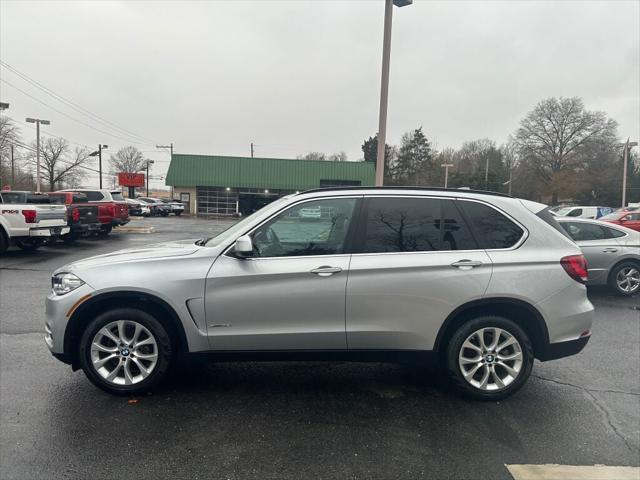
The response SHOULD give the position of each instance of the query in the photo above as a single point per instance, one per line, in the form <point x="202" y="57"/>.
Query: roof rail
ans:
<point x="426" y="189"/>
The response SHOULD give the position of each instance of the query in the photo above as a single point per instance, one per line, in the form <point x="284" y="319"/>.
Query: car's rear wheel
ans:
<point x="105" y="230"/>
<point x="625" y="278"/>
<point x="125" y="351"/>
<point x="489" y="358"/>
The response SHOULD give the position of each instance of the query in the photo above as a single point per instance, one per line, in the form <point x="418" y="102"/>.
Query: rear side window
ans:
<point x="414" y="225"/>
<point x="79" y="198"/>
<point x="613" y="233"/>
<point x="582" y="231"/>
<point x="117" y="196"/>
<point x="490" y="227"/>
<point x="94" y="196"/>
<point x="576" y="212"/>
<point x="13" y="197"/>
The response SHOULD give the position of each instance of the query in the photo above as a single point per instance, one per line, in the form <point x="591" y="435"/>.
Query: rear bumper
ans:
<point x="554" y="351"/>
<point x="85" y="227"/>
<point x="48" y="231"/>
<point x="116" y="222"/>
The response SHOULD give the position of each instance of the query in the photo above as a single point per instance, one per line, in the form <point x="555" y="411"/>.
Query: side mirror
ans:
<point x="243" y="247"/>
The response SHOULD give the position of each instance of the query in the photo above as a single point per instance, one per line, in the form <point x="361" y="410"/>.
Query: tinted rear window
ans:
<point x="94" y="196"/>
<point x="414" y="225"/>
<point x="491" y="228"/>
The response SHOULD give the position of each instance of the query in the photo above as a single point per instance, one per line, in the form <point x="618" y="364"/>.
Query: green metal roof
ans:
<point x="276" y="173"/>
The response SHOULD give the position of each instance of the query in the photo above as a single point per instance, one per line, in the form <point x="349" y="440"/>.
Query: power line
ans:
<point x="71" y="104"/>
<point x="69" y="116"/>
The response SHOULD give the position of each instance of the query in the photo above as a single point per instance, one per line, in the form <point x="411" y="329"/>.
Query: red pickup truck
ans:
<point x="112" y="207"/>
<point x="82" y="216"/>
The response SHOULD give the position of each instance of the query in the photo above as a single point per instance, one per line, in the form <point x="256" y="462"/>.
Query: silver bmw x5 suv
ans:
<point x="482" y="283"/>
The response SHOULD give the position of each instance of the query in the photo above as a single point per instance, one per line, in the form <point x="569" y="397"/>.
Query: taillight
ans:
<point x="576" y="267"/>
<point x="75" y="215"/>
<point x="29" y="216"/>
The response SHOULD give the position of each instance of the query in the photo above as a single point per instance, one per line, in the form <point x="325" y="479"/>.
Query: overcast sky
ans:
<point x="299" y="76"/>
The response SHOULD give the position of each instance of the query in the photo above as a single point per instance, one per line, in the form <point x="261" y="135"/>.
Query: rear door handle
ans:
<point x="466" y="264"/>
<point x="326" y="271"/>
<point x="610" y="250"/>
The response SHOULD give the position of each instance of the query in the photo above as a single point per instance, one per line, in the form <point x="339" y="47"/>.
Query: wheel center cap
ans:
<point x="489" y="358"/>
<point x="124" y="352"/>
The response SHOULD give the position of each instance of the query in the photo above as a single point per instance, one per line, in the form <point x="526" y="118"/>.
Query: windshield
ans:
<point x="236" y="229"/>
<point x="563" y="211"/>
<point x="613" y="216"/>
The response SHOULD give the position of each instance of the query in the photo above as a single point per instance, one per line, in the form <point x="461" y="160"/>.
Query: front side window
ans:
<point x="576" y="212"/>
<point x="414" y="225"/>
<point x="490" y="227"/>
<point x="318" y="227"/>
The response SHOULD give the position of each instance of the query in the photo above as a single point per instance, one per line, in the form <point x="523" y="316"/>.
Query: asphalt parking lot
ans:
<point x="300" y="420"/>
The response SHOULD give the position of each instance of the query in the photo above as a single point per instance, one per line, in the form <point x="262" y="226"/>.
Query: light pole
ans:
<point x="625" y="162"/>
<point x="4" y="106"/>
<point x="384" y="86"/>
<point x="98" y="153"/>
<point x="38" y="121"/>
<point x="149" y="162"/>
<point x="446" y="173"/>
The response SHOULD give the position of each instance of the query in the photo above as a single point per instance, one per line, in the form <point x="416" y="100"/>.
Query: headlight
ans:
<point x="65" y="282"/>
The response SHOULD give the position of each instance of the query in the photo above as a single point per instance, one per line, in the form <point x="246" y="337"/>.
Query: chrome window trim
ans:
<point x="518" y="244"/>
<point x="226" y="249"/>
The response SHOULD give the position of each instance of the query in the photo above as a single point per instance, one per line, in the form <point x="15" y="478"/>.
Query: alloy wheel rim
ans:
<point x="628" y="279"/>
<point x="124" y="352"/>
<point x="490" y="359"/>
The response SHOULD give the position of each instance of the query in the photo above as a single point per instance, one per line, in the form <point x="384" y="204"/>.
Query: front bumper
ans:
<point x="58" y="310"/>
<point x="48" y="231"/>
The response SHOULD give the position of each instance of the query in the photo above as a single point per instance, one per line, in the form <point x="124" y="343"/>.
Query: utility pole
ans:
<point x="384" y="86"/>
<point x="149" y="162"/>
<point x="486" y="175"/>
<point x="170" y="147"/>
<point x="4" y="106"/>
<point x="38" y="121"/>
<point x="446" y="173"/>
<point x="13" y="169"/>
<point x="625" y="162"/>
<point x="251" y="149"/>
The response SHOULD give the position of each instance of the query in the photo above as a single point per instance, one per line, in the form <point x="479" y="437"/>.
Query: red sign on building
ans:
<point x="126" y="179"/>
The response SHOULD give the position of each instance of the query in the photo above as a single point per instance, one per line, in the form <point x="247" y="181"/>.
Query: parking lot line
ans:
<point x="565" y="472"/>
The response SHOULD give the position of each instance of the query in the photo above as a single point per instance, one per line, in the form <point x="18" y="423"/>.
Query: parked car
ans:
<point x="29" y="219"/>
<point x="612" y="253"/>
<point x="138" y="208"/>
<point x="583" y="212"/>
<point x="82" y="217"/>
<point x="483" y="282"/>
<point x="112" y="207"/>
<point x="158" y="207"/>
<point x="176" y="206"/>
<point x="626" y="219"/>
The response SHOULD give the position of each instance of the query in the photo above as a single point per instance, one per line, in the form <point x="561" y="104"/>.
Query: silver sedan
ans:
<point x="612" y="252"/>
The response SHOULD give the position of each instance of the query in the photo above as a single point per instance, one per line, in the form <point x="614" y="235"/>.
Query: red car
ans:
<point x="626" y="219"/>
<point x="112" y="207"/>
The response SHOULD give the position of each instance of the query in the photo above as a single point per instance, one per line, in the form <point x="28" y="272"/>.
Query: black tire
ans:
<point x="4" y="241"/>
<point x="70" y="238"/>
<point x="178" y="214"/>
<point x="455" y="345"/>
<point x="164" y="351"/>
<point x="28" y="245"/>
<point x="105" y="230"/>
<point x="613" y="284"/>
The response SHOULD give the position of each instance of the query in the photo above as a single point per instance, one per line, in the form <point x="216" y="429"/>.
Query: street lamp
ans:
<point x="384" y="86"/>
<point x="446" y="173"/>
<point x="625" y="162"/>
<point x="98" y="153"/>
<point x="149" y="162"/>
<point x="38" y="121"/>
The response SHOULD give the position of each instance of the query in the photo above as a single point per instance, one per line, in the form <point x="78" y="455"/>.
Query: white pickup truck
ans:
<point x="28" y="220"/>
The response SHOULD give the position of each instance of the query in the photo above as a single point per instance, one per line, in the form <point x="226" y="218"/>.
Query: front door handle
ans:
<point x="326" y="271"/>
<point x="466" y="264"/>
<point x="610" y="250"/>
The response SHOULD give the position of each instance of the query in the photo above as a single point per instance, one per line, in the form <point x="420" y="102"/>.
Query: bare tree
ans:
<point x="128" y="159"/>
<point x="58" y="165"/>
<point x="553" y="134"/>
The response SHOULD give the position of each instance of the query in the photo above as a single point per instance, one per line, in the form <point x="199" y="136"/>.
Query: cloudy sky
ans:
<point x="298" y="76"/>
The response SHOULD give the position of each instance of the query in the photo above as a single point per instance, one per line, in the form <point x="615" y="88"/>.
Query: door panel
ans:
<point x="276" y="303"/>
<point x="400" y="300"/>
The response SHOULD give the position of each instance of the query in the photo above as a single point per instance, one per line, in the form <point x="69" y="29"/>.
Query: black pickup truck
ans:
<point x="82" y="216"/>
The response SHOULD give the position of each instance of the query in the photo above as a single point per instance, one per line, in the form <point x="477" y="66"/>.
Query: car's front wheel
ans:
<point x="125" y="351"/>
<point x="489" y="358"/>
<point x="625" y="278"/>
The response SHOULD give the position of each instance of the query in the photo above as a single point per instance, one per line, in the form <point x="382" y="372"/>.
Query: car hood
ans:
<point x="160" y="250"/>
